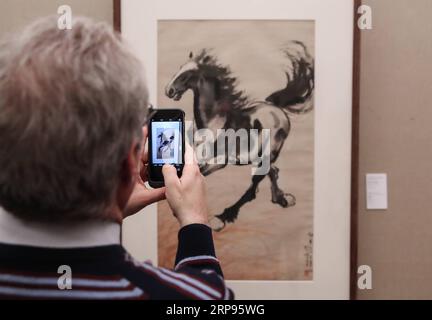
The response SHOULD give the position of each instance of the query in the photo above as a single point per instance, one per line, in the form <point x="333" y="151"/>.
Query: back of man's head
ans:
<point x="71" y="104"/>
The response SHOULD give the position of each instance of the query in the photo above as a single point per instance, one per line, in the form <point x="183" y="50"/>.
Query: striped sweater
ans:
<point x="109" y="272"/>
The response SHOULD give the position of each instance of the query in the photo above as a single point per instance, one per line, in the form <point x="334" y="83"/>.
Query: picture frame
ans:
<point x="336" y="150"/>
<point x="355" y="153"/>
<point x="117" y="15"/>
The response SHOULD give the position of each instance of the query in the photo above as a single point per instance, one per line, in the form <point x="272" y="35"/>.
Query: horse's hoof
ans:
<point x="285" y="200"/>
<point x="281" y="201"/>
<point x="291" y="200"/>
<point x="217" y="224"/>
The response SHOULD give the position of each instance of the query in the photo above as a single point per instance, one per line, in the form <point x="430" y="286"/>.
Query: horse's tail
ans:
<point x="297" y="96"/>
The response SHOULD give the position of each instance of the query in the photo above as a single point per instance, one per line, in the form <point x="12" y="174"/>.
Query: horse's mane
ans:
<point x="227" y="83"/>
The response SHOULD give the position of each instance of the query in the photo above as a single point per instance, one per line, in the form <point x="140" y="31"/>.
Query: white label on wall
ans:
<point x="376" y="191"/>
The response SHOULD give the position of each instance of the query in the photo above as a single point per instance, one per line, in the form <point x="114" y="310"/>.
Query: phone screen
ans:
<point x="166" y="143"/>
<point x="167" y="146"/>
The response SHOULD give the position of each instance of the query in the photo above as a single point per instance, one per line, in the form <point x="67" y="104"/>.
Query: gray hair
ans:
<point x="72" y="102"/>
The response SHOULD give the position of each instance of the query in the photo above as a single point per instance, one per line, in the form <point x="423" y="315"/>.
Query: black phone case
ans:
<point x="160" y="184"/>
<point x="156" y="184"/>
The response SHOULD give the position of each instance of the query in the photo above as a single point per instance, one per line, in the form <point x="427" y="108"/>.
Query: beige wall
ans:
<point x="396" y="138"/>
<point x="14" y="14"/>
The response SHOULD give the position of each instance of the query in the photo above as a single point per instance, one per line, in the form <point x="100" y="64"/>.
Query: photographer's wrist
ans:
<point x="193" y="220"/>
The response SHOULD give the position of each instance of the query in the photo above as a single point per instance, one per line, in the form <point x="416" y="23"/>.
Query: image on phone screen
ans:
<point x="166" y="144"/>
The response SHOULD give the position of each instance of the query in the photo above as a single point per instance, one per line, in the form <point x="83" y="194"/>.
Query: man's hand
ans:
<point x="141" y="195"/>
<point x="186" y="196"/>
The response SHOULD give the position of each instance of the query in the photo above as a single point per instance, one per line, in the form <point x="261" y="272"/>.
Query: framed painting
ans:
<point x="286" y="68"/>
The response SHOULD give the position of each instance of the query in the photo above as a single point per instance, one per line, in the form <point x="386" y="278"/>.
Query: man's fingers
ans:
<point x="191" y="164"/>
<point x="170" y="175"/>
<point x="144" y="151"/>
<point x="154" y="195"/>
<point x="190" y="157"/>
<point x="143" y="173"/>
<point x="142" y="197"/>
<point x="144" y="156"/>
<point x="144" y="165"/>
<point x="145" y="133"/>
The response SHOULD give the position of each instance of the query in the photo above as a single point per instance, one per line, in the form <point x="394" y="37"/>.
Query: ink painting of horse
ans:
<point x="249" y="76"/>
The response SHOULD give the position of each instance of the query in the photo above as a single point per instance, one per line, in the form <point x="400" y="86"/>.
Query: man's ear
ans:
<point x="133" y="160"/>
<point x="130" y="170"/>
<point x="131" y="165"/>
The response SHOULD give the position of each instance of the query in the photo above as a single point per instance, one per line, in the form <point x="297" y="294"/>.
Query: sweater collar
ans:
<point x="65" y="235"/>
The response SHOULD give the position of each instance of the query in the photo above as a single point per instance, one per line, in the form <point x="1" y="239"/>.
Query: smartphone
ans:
<point x="166" y="143"/>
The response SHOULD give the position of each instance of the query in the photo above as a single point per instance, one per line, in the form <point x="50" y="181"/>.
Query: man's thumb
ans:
<point x="170" y="175"/>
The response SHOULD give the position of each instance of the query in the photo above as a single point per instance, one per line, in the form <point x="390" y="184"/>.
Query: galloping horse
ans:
<point x="219" y="105"/>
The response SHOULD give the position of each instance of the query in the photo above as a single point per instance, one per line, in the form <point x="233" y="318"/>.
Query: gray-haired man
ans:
<point x="73" y="166"/>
